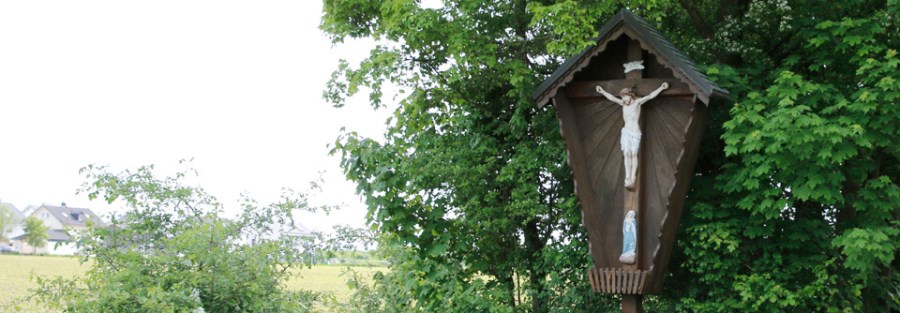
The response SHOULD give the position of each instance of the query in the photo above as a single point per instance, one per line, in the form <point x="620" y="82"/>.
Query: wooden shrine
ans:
<point x="631" y="110"/>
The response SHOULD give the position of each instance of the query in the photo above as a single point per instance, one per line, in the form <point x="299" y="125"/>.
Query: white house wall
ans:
<point x="63" y="248"/>
<point x="67" y="248"/>
<point x="49" y="220"/>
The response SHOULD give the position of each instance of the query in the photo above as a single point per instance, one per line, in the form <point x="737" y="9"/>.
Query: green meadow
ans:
<point x="16" y="272"/>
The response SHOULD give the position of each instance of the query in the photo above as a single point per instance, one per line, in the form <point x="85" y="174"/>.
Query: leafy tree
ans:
<point x="468" y="187"/>
<point x="808" y="190"/>
<point x="171" y="251"/>
<point x="8" y="221"/>
<point x="35" y="232"/>
<point x="794" y="206"/>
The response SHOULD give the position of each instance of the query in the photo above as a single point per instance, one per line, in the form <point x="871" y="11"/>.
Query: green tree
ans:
<point x="468" y="187"/>
<point x="807" y="193"/>
<point x="8" y="220"/>
<point x="795" y="205"/>
<point x="35" y="232"/>
<point x="169" y="250"/>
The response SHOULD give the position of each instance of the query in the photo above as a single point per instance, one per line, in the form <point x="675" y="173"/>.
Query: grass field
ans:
<point x="16" y="272"/>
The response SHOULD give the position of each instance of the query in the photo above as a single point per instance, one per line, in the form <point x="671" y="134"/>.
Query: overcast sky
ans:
<point x="236" y="85"/>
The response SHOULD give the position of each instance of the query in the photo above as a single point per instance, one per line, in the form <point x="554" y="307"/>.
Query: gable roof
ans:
<point x="298" y="230"/>
<point x="29" y="209"/>
<point x="637" y="28"/>
<point x="69" y="216"/>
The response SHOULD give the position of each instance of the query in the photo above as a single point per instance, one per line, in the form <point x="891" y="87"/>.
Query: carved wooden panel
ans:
<point x="599" y="124"/>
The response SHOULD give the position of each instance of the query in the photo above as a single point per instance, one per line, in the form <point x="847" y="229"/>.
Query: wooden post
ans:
<point x="632" y="303"/>
<point x="634" y="54"/>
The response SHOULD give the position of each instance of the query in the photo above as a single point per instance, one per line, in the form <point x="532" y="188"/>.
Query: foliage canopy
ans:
<point x="794" y="205"/>
<point x="35" y="232"/>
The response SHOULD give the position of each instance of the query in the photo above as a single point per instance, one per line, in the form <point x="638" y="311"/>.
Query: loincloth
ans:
<point x="631" y="141"/>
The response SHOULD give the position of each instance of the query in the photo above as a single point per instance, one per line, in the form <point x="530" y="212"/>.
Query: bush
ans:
<point x="170" y="251"/>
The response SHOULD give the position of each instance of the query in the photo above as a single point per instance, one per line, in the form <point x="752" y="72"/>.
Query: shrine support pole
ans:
<point x="632" y="304"/>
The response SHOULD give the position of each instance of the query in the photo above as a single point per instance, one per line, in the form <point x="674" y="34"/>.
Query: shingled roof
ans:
<point x="53" y="235"/>
<point x="651" y="40"/>
<point x="69" y="216"/>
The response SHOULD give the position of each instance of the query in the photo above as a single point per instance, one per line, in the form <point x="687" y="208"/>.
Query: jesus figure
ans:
<point x="631" y="133"/>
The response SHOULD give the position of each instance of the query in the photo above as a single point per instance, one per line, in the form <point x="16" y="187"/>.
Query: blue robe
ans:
<point x="629" y="236"/>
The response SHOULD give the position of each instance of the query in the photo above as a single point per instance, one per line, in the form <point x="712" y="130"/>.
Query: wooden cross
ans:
<point x="632" y="303"/>
<point x="634" y="79"/>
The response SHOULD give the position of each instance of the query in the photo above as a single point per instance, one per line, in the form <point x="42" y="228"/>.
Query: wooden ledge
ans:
<point x="617" y="280"/>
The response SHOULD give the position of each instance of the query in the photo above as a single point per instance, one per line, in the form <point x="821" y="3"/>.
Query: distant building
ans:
<point x="29" y="209"/>
<point x="298" y="231"/>
<point x="62" y="221"/>
<point x="17" y="215"/>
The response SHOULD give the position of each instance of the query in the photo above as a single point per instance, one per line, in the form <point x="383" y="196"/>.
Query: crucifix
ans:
<point x="630" y="143"/>
<point x="631" y="133"/>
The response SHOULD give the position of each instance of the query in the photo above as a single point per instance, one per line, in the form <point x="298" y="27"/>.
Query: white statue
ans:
<point x="631" y="133"/>
<point x="629" y="238"/>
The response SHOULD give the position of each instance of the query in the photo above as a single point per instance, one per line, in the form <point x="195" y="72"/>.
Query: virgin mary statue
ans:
<point x="629" y="236"/>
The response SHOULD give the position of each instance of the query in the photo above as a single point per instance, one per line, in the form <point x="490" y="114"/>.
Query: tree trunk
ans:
<point x="537" y="274"/>
<point x="505" y="278"/>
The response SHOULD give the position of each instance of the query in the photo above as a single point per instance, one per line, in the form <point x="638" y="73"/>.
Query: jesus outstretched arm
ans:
<point x="609" y="96"/>
<point x="653" y="94"/>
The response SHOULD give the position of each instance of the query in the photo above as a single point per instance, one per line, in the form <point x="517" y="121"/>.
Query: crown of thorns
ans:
<point x="626" y="91"/>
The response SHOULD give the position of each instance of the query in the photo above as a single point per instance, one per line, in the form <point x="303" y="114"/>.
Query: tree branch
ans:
<point x="699" y="23"/>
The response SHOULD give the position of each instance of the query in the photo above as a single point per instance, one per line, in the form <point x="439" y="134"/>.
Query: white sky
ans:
<point x="236" y="85"/>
